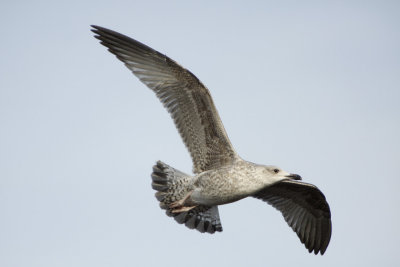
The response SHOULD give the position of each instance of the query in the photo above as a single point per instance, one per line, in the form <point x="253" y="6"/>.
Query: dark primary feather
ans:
<point x="184" y="96"/>
<point x="305" y="209"/>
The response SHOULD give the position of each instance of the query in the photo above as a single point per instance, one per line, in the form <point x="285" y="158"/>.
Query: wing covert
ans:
<point x="187" y="100"/>
<point x="305" y="209"/>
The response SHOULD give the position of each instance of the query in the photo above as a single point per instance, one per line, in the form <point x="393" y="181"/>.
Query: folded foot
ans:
<point x="182" y="209"/>
<point x="179" y="206"/>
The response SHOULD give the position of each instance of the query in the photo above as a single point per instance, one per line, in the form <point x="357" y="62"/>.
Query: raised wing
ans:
<point x="305" y="209"/>
<point x="187" y="100"/>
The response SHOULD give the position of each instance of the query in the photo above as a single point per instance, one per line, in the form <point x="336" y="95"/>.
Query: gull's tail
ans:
<point x="173" y="185"/>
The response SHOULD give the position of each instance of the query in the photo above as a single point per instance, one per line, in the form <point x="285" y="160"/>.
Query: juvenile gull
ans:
<point x="220" y="175"/>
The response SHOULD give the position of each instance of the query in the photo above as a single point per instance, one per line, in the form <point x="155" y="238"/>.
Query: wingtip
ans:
<point x="95" y="26"/>
<point x="98" y="29"/>
<point x="95" y="30"/>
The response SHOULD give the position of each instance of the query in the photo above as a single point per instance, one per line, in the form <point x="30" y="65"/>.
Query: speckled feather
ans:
<point x="173" y="185"/>
<point x="187" y="100"/>
<point x="221" y="176"/>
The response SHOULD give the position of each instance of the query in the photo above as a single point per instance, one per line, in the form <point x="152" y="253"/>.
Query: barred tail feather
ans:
<point x="172" y="185"/>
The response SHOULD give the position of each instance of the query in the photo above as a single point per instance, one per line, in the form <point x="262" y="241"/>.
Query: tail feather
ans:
<point x="173" y="185"/>
<point x="203" y="218"/>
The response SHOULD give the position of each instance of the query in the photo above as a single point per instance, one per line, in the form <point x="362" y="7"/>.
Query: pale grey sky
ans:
<point x="310" y="86"/>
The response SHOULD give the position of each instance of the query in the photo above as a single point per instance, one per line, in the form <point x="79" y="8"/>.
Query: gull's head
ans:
<point x="275" y="174"/>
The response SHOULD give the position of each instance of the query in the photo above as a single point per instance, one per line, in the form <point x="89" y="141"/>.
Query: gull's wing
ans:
<point x="187" y="100"/>
<point x="305" y="209"/>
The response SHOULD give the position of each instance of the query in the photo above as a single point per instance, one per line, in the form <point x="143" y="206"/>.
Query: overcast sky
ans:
<point x="310" y="86"/>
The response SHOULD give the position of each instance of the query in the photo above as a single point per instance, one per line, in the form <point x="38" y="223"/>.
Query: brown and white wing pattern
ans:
<point x="183" y="95"/>
<point x="305" y="209"/>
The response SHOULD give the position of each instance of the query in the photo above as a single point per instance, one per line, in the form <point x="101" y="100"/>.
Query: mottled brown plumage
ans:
<point x="221" y="176"/>
<point x="184" y="96"/>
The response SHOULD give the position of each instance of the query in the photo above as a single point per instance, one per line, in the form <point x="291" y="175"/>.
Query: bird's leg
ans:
<point x="179" y="206"/>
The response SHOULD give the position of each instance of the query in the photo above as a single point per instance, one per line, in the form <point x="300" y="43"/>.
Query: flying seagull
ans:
<point x="220" y="175"/>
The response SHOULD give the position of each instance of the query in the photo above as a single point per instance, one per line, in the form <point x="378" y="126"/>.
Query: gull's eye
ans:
<point x="276" y="170"/>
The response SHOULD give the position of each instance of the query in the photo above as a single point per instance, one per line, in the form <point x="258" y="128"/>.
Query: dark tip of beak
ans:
<point x="294" y="176"/>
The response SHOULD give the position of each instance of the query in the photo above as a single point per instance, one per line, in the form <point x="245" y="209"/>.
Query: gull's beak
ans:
<point x="294" y="176"/>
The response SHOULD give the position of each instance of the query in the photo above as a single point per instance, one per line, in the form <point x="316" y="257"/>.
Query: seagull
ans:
<point x="221" y="176"/>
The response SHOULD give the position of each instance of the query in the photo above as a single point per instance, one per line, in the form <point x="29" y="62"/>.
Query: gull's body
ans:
<point x="220" y="175"/>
